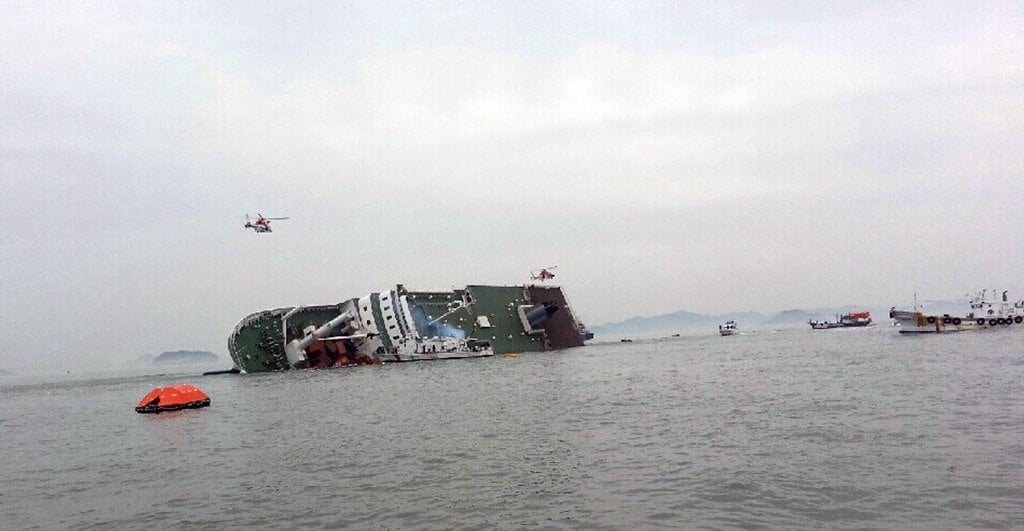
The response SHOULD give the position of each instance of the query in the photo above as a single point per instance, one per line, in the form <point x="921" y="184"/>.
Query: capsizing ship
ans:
<point x="403" y="325"/>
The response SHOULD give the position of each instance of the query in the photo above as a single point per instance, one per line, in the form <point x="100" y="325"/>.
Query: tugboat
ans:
<point x="984" y="314"/>
<point x="728" y="329"/>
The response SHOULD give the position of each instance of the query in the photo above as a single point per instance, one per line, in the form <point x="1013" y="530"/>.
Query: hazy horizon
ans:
<point x="666" y="156"/>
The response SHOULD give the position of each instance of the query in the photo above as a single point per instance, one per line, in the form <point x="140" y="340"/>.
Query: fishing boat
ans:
<point x="984" y="313"/>
<point x="728" y="329"/>
<point x="852" y="319"/>
<point x="855" y="319"/>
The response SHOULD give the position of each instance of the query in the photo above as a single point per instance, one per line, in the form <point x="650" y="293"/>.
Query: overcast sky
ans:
<point x="707" y="156"/>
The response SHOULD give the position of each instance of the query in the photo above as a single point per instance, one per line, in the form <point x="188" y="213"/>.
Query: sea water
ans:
<point x="836" y="429"/>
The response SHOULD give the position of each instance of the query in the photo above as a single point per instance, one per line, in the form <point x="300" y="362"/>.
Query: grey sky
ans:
<point x="666" y="155"/>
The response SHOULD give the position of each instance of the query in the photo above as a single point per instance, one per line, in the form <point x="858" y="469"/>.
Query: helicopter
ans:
<point x="260" y="224"/>
<point x="543" y="273"/>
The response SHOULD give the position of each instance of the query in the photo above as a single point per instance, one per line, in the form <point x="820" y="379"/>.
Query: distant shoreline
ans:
<point x="178" y="357"/>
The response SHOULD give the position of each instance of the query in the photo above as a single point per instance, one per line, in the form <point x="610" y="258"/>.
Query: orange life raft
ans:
<point x="172" y="398"/>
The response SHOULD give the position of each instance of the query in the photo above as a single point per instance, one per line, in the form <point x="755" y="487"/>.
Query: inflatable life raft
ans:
<point x="172" y="398"/>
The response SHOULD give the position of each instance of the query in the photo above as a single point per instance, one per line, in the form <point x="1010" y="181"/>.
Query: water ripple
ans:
<point x="784" y="430"/>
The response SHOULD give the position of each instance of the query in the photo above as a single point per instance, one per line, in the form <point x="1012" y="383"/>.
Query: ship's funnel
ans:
<point x="540" y="313"/>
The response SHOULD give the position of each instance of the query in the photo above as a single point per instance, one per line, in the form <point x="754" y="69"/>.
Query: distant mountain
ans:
<point x="789" y="317"/>
<point x="4" y="373"/>
<point x="683" y="320"/>
<point x="672" y="322"/>
<point x="181" y="356"/>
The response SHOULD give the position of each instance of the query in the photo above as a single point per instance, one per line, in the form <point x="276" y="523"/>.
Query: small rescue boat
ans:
<point x="172" y="398"/>
<point x="728" y="329"/>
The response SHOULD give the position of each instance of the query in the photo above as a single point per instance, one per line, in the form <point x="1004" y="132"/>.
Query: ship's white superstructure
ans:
<point x="381" y="327"/>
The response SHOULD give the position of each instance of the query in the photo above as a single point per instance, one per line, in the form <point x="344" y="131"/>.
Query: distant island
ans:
<point x="180" y="356"/>
<point x="4" y="373"/>
<point x="684" y="320"/>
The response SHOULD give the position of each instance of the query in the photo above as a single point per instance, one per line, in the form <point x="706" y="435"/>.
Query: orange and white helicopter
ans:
<point x="543" y="273"/>
<point x="260" y="224"/>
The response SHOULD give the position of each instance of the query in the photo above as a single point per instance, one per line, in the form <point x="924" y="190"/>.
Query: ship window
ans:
<point x="394" y="337"/>
<point x="386" y="308"/>
<point x="390" y="317"/>
<point x="367" y="321"/>
<point x="392" y="327"/>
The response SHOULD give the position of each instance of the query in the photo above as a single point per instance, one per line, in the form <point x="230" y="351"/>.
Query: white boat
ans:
<point x="984" y="313"/>
<point x="728" y="329"/>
